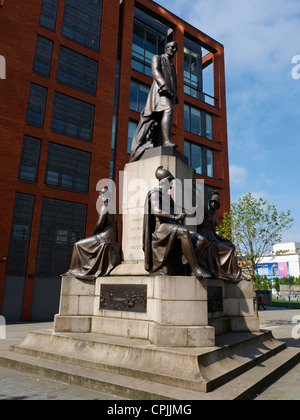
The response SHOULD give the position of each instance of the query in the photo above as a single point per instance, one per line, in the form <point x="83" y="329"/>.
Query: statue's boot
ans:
<point x="170" y="144"/>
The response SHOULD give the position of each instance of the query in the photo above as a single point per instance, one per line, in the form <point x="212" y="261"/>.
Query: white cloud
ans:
<point x="261" y="194"/>
<point x="238" y="175"/>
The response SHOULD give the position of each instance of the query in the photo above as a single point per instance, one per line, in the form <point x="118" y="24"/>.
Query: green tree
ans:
<point x="276" y="284"/>
<point x="254" y="226"/>
<point x="263" y="282"/>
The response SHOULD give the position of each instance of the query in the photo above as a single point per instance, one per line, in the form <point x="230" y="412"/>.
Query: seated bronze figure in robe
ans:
<point x="98" y="255"/>
<point x="165" y="239"/>
<point x="220" y="257"/>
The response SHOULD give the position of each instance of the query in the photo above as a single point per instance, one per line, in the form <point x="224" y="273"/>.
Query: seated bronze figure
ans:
<point x="164" y="232"/>
<point x="99" y="255"/>
<point x="220" y="256"/>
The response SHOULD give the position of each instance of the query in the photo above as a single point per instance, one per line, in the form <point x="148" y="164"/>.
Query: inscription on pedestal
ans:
<point x="123" y="297"/>
<point x="215" y="299"/>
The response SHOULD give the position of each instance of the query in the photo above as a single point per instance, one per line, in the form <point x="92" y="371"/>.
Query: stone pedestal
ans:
<point x="167" y="311"/>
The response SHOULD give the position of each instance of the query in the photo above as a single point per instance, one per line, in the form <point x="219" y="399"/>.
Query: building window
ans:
<point x="200" y="158"/>
<point x="192" y="73"/>
<point x="82" y="24"/>
<point x="43" y="56"/>
<point x="209" y="163"/>
<point x="132" y="126"/>
<point x="62" y="224"/>
<point x="208" y="78"/>
<point x="115" y="123"/>
<point x="77" y="70"/>
<point x="20" y="235"/>
<point x="198" y="122"/>
<point x="72" y="117"/>
<point x="36" y="105"/>
<point x="147" y="42"/>
<point x="138" y="96"/>
<point x="68" y="168"/>
<point x="208" y="128"/>
<point x="30" y="159"/>
<point x="48" y="14"/>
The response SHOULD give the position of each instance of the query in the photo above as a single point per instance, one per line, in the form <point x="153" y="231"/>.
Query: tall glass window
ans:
<point x="30" y="159"/>
<point x="48" y="14"/>
<point x="210" y="163"/>
<point x="147" y="42"/>
<point x="77" y="70"/>
<point x="20" y="235"/>
<point x="132" y="126"/>
<point x="81" y="23"/>
<point x="43" y="56"/>
<point x="192" y="73"/>
<point x="62" y="224"/>
<point x="72" y="117"/>
<point x="209" y="130"/>
<point x="138" y="96"/>
<point x="198" y="122"/>
<point x="192" y="120"/>
<point x="36" y="105"/>
<point x="200" y="158"/>
<point x="68" y="168"/>
<point x="115" y="123"/>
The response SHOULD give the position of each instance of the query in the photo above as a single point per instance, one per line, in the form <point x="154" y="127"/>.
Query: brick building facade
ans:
<point x="77" y="78"/>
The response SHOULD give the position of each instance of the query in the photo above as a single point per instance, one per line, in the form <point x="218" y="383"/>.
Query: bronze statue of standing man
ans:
<point x="157" y="117"/>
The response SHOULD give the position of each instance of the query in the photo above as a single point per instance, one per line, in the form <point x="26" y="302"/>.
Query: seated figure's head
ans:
<point x="104" y="194"/>
<point x="165" y="178"/>
<point x="215" y="201"/>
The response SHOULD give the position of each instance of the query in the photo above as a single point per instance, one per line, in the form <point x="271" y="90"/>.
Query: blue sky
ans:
<point x="263" y="99"/>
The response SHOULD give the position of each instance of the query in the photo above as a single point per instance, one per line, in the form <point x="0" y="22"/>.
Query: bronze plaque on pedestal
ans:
<point x="123" y="297"/>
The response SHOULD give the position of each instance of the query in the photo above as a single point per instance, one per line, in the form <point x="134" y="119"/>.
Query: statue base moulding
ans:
<point x="167" y="311"/>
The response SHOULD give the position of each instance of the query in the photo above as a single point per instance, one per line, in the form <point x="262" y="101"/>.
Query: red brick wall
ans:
<point x="19" y="30"/>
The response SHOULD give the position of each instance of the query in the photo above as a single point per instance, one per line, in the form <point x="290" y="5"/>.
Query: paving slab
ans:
<point x="280" y="322"/>
<point x="16" y="385"/>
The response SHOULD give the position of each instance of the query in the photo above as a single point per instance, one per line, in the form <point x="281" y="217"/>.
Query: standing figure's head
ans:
<point x="215" y="201"/>
<point x="171" y="49"/>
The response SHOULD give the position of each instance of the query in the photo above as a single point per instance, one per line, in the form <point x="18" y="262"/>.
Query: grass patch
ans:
<point x="286" y="304"/>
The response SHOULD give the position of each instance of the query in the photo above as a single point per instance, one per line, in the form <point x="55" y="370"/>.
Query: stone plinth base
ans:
<point x="171" y="311"/>
<point x="160" y="344"/>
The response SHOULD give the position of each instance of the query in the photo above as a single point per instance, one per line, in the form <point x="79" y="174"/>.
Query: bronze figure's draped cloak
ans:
<point x="98" y="255"/>
<point x="164" y="74"/>
<point x="220" y="257"/>
<point x="159" y="236"/>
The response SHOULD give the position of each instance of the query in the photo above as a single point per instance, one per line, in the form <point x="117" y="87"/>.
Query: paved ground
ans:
<point x="21" y="386"/>
<point x="279" y="321"/>
<point x="16" y="385"/>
